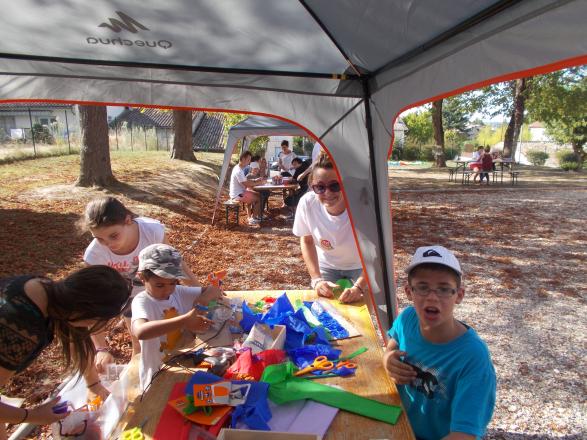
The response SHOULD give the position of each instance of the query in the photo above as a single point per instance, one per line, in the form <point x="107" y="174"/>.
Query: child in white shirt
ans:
<point x="164" y="309"/>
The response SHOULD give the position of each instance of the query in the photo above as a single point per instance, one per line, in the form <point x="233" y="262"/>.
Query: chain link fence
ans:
<point x="55" y="139"/>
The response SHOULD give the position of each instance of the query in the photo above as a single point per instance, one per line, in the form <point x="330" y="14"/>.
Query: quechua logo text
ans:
<point x="126" y="23"/>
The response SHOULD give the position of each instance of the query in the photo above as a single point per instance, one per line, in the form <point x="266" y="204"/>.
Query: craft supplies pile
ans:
<point x="266" y="378"/>
<point x="280" y="351"/>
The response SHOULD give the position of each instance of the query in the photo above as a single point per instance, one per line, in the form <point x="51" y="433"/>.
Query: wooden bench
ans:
<point x="514" y="177"/>
<point x="452" y="172"/>
<point x="232" y="205"/>
<point x="468" y="173"/>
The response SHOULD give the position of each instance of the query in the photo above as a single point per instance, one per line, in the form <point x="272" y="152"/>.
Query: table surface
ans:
<point x="272" y="186"/>
<point x="370" y="380"/>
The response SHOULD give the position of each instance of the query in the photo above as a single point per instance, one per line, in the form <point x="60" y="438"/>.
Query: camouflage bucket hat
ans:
<point x="163" y="260"/>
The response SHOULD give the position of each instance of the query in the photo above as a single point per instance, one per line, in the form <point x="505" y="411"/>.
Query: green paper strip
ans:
<point x="352" y="355"/>
<point x="312" y="320"/>
<point x="285" y="387"/>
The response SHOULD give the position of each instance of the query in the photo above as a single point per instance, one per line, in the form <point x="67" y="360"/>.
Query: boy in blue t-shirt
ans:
<point x="443" y="369"/>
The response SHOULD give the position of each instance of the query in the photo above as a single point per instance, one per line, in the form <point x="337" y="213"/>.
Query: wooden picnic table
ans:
<point x="266" y="189"/>
<point x="501" y="165"/>
<point x="370" y="379"/>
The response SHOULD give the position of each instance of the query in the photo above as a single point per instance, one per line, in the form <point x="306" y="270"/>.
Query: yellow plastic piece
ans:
<point x="132" y="434"/>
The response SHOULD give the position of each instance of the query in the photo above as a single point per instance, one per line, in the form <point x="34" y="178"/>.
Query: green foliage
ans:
<point x="489" y="136"/>
<point x="568" y="160"/>
<point x="455" y="114"/>
<point x="559" y="100"/>
<point x="302" y="146"/>
<point x="566" y="156"/>
<point x="231" y="119"/>
<point x="419" y="127"/>
<point x="41" y="133"/>
<point x="570" y="166"/>
<point x="454" y="138"/>
<point x="411" y="152"/>
<point x="537" y="157"/>
<point x="259" y="145"/>
<point x="451" y="152"/>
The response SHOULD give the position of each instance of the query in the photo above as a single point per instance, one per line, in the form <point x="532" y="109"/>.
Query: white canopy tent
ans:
<point x="342" y="70"/>
<point x="252" y="127"/>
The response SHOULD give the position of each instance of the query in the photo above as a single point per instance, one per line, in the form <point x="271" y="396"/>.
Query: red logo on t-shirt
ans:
<point x="325" y="244"/>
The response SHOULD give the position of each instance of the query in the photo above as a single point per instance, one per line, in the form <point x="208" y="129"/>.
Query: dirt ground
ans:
<point x="522" y="248"/>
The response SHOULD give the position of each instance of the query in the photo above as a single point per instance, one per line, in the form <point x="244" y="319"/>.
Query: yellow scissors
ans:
<point x="320" y="363"/>
<point x="135" y="433"/>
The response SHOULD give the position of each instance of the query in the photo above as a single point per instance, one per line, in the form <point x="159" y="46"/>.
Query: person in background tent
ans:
<point x="293" y="199"/>
<point x="118" y="237"/>
<point x="326" y="236"/>
<point x="254" y="168"/>
<point x="285" y="158"/>
<point x="241" y="189"/>
<point x="35" y="310"/>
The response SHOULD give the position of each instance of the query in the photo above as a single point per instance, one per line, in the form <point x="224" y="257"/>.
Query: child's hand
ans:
<point x="210" y="293"/>
<point x="350" y="295"/>
<point x="400" y="372"/>
<point x="195" y="322"/>
<point x="324" y="288"/>
<point x="44" y="415"/>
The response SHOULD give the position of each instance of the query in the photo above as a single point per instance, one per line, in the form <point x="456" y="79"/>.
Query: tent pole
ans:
<point x="385" y="268"/>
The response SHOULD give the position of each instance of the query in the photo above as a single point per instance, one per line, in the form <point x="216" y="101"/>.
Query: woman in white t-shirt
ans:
<point x="285" y="158"/>
<point x="326" y="237"/>
<point x="119" y="236"/>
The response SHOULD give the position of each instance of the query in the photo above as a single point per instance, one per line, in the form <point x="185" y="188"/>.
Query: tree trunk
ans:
<point x="512" y="133"/>
<point x="579" y="152"/>
<point x="182" y="136"/>
<point x="439" y="155"/>
<point x="95" y="168"/>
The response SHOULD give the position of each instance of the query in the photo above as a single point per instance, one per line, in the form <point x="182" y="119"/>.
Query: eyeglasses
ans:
<point x="441" y="292"/>
<point x="320" y="188"/>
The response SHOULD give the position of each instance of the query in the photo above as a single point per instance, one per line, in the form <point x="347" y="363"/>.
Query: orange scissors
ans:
<point x="345" y="364"/>
<point x="320" y="363"/>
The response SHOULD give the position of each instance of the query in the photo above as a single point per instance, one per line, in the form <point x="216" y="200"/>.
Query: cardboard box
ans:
<point x="244" y="434"/>
<point x="262" y="337"/>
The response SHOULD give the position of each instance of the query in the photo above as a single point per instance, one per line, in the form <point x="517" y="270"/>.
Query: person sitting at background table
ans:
<point x="263" y="169"/>
<point x="35" y="310"/>
<point x="475" y="163"/>
<point x="285" y="158"/>
<point x="254" y="168"/>
<point x="241" y="189"/>
<point x="487" y="165"/>
<point x="300" y="168"/>
<point x="326" y="237"/>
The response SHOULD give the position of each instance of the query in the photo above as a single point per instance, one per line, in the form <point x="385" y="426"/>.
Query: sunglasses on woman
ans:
<point x="320" y="188"/>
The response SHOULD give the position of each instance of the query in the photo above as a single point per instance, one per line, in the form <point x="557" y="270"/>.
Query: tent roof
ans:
<point x="263" y="125"/>
<point x="310" y="36"/>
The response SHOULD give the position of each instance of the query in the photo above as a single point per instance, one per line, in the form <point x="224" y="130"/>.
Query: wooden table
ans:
<point x="266" y="189"/>
<point x="370" y="380"/>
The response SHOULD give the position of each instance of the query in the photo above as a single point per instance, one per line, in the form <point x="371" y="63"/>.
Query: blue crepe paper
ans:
<point x="304" y="356"/>
<point x="255" y="412"/>
<point x="332" y="325"/>
<point x="298" y="331"/>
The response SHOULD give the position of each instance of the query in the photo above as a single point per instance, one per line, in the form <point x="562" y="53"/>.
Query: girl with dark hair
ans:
<point x="119" y="236"/>
<point x="35" y="310"/>
<point x="326" y="236"/>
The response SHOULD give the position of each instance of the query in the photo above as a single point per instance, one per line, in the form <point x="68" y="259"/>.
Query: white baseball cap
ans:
<point x="437" y="255"/>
